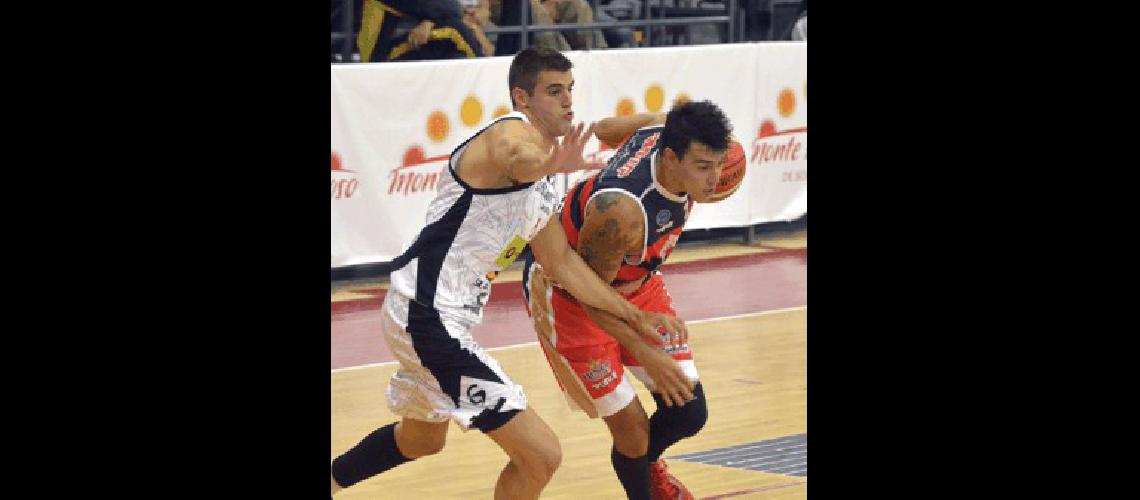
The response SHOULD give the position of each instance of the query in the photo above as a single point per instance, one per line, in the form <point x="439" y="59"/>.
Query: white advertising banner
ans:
<point x="394" y="125"/>
<point x="777" y="158"/>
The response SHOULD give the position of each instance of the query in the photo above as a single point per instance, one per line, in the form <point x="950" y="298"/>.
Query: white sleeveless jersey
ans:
<point x="471" y="235"/>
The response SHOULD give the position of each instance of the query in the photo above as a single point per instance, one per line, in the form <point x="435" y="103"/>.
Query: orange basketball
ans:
<point x="735" y="163"/>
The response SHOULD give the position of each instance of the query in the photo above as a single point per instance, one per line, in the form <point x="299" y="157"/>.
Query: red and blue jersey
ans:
<point x="632" y="172"/>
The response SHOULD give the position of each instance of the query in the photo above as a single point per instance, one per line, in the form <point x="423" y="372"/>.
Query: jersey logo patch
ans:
<point x="597" y="370"/>
<point x="664" y="219"/>
<point x="510" y="253"/>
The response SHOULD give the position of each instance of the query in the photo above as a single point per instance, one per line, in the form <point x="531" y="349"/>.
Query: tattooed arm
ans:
<point x="565" y="267"/>
<point x="614" y="226"/>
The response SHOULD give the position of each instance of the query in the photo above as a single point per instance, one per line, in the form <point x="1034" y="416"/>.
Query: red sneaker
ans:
<point x="665" y="486"/>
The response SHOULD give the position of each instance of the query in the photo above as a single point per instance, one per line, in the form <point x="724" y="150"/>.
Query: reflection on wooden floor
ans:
<point x="754" y="369"/>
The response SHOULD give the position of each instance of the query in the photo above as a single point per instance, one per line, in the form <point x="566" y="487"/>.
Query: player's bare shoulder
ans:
<point x="493" y="149"/>
<point x="506" y="132"/>
<point x="482" y="164"/>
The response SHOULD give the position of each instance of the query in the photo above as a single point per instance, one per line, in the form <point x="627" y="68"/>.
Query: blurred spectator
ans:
<point x="510" y="14"/>
<point x="477" y="16"/>
<point x="615" y="37"/>
<point x="799" y="29"/>
<point x="757" y="19"/>
<point x="578" y="11"/>
<point x="404" y="30"/>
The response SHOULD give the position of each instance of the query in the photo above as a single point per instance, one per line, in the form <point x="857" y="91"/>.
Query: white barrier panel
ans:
<point x="777" y="158"/>
<point x="394" y="125"/>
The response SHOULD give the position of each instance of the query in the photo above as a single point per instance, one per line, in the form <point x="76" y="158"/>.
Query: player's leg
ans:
<point x="388" y="447"/>
<point x="592" y="377"/>
<point x="669" y="424"/>
<point x="666" y="427"/>
<point x="499" y="409"/>
<point x="534" y="454"/>
<point x="639" y="443"/>
<point x="461" y="381"/>
<point x="414" y="393"/>
<point x="630" y="430"/>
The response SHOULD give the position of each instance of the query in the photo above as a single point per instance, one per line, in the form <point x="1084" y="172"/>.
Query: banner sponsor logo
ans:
<point x="419" y="173"/>
<point x="416" y="173"/>
<point x="344" y="181"/>
<point x="786" y="148"/>
<point x="778" y="146"/>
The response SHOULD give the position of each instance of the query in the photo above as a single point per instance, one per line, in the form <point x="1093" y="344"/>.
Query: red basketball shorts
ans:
<point x="589" y="364"/>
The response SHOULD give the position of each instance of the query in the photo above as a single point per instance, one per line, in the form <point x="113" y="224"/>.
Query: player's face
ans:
<point x="699" y="170"/>
<point x="550" y="106"/>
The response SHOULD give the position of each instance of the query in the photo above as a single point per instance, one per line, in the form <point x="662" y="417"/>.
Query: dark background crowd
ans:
<point x="407" y="30"/>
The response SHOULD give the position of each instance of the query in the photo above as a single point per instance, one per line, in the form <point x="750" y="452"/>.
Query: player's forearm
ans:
<point x="567" y="268"/>
<point x="620" y="331"/>
<point x="574" y="276"/>
<point x="612" y="130"/>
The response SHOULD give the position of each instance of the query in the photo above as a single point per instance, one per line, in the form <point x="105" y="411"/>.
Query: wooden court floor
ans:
<point x="753" y="367"/>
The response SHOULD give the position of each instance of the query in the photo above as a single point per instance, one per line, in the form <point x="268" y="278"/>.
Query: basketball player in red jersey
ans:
<point x="624" y="222"/>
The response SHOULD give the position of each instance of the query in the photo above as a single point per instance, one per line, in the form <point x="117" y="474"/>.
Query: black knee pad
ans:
<point x="694" y="413"/>
<point x="687" y="420"/>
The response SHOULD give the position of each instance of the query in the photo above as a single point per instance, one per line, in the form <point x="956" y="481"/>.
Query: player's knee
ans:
<point x="695" y="416"/>
<point x="694" y="413"/>
<point x="631" y="437"/>
<point x="549" y="460"/>
<point x="540" y="462"/>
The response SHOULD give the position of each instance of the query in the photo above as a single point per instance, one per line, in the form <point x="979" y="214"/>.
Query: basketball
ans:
<point x="735" y="163"/>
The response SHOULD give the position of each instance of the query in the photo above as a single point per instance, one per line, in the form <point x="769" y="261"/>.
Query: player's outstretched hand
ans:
<point x="567" y="155"/>
<point x="668" y="378"/>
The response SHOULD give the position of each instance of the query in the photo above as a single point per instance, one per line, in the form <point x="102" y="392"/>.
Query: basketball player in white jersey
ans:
<point x="493" y="199"/>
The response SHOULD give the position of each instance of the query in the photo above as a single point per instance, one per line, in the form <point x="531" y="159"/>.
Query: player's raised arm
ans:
<point x="517" y="148"/>
<point x="614" y="130"/>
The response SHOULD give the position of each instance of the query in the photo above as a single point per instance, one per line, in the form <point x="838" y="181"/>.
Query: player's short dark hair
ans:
<point x="700" y="121"/>
<point x="527" y="64"/>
